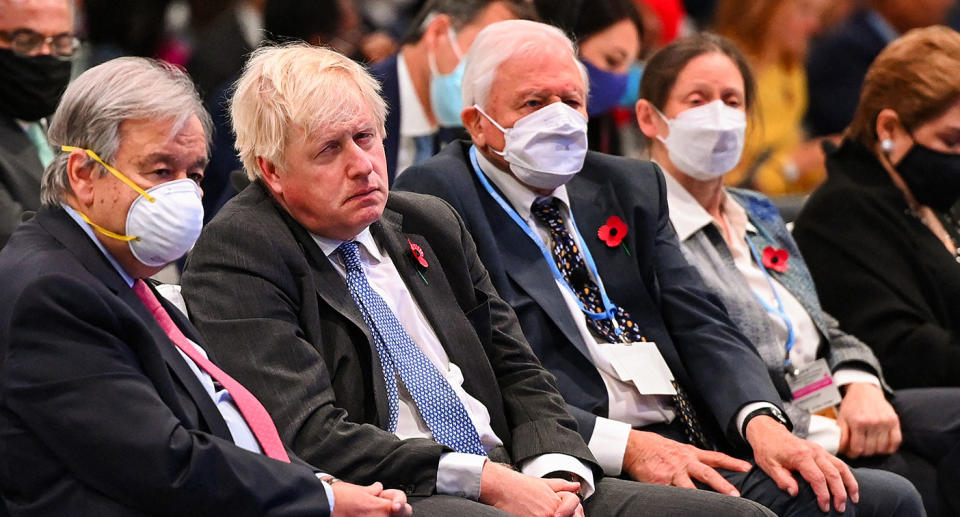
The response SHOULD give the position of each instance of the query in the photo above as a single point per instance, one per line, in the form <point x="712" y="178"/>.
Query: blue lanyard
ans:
<point x="780" y="312"/>
<point x="610" y="309"/>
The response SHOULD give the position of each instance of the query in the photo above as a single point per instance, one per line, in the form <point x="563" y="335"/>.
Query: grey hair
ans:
<point x="501" y="41"/>
<point x="99" y="100"/>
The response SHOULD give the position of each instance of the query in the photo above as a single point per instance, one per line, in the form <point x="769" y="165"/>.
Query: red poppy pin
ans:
<point x="775" y="259"/>
<point x="418" y="256"/>
<point x="613" y="233"/>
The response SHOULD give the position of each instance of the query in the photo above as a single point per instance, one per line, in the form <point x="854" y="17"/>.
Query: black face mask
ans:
<point x="932" y="176"/>
<point x="31" y="86"/>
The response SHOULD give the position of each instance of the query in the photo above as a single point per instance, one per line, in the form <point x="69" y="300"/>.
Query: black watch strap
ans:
<point x="771" y="411"/>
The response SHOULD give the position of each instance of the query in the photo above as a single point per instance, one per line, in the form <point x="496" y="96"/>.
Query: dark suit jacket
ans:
<point x="100" y="415"/>
<point x="281" y="317"/>
<point x="881" y="272"/>
<point x="20" y="173"/>
<point x="655" y="284"/>
<point x="836" y="67"/>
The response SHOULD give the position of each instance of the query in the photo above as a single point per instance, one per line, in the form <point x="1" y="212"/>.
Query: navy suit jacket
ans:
<point x="654" y="283"/>
<point x="100" y="415"/>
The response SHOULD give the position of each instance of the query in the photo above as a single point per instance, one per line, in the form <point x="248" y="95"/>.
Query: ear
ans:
<point x="888" y="125"/>
<point x="472" y="120"/>
<point x="436" y="29"/>
<point x="82" y="175"/>
<point x="270" y="175"/>
<point x="649" y="120"/>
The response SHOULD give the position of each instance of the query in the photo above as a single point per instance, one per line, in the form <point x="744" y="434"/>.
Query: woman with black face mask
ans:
<point x="878" y="236"/>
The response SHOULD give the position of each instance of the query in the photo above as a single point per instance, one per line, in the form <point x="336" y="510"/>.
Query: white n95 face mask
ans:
<point x="546" y="148"/>
<point x="169" y="226"/>
<point x="706" y="142"/>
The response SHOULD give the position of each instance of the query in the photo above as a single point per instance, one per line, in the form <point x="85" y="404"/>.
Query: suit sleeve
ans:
<point x="73" y="378"/>
<point x="248" y="299"/>
<point x="708" y="342"/>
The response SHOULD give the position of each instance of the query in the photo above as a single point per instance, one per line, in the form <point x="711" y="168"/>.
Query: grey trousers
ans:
<point x="615" y="497"/>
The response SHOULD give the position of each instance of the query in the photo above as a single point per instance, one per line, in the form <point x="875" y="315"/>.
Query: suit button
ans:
<point x="408" y="490"/>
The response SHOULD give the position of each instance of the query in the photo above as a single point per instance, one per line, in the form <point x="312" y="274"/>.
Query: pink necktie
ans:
<point x="253" y="411"/>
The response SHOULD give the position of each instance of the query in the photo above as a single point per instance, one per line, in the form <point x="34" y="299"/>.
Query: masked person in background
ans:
<point x="36" y="46"/>
<point x="421" y="84"/>
<point x="111" y="405"/>
<point x="608" y="34"/>
<point x="580" y="245"/>
<point x="696" y="99"/>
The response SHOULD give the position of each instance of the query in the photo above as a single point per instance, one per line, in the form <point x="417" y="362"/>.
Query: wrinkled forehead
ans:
<point x="48" y="17"/>
<point x="540" y="71"/>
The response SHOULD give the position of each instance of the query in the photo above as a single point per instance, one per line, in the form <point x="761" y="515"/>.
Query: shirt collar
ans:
<point x="364" y="239"/>
<point x="517" y="194"/>
<point x="87" y="229"/>
<point x="413" y="118"/>
<point x="688" y="217"/>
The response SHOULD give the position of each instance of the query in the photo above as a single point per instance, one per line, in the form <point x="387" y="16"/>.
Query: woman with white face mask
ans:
<point x="695" y="101"/>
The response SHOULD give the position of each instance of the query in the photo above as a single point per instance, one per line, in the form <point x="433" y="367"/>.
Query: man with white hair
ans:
<point x="367" y="324"/>
<point x="110" y="404"/>
<point x="580" y="245"/>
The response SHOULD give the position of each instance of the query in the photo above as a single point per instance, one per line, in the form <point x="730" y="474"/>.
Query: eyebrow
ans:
<point x="154" y="158"/>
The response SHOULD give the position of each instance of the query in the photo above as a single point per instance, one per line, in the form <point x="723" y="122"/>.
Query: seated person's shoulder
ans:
<point x="623" y="172"/>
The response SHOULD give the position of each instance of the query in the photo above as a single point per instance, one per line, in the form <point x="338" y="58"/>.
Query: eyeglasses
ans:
<point x="27" y="43"/>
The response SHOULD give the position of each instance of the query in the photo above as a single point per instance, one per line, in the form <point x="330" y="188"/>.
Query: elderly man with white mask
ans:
<point x="581" y="246"/>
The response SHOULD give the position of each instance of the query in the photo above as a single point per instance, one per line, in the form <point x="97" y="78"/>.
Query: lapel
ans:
<point x="770" y="233"/>
<point x="59" y="224"/>
<point x="332" y="289"/>
<point x="527" y="266"/>
<point x="434" y="296"/>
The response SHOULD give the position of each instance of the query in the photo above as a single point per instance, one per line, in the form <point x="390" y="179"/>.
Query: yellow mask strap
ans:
<point x="116" y="173"/>
<point x="108" y="233"/>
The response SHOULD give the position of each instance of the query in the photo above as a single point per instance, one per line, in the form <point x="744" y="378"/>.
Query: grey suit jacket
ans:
<point x="282" y="320"/>
<point x="20" y="173"/>
<point x="709" y="252"/>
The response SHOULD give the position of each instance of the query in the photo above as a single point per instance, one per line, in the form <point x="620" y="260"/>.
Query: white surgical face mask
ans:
<point x="546" y="148"/>
<point x="168" y="227"/>
<point x="706" y="142"/>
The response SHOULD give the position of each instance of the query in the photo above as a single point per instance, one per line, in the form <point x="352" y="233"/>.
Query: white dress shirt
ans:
<point x="628" y="408"/>
<point x="688" y="217"/>
<point x="413" y="118"/>
<point x="457" y="473"/>
<point x="242" y="435"/>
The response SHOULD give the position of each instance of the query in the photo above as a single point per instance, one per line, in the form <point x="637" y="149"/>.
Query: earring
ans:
<point x="887" y="145"/>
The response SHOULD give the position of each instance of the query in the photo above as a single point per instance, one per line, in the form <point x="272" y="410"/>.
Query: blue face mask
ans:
<point x="445" y="97"/>
<point x="632" y="94"/>
<point x="606" y="89"/>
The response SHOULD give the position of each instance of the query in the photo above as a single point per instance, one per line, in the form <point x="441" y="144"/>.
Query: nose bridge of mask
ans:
<point x="111" y="169"/>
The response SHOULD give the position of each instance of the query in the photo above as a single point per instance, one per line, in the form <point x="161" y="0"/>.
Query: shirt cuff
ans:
<point x="546" y="463"/>
<point x="845" y="376"/>
<point x="459" y="473"/>
<point x="328" y="488"/>
<point x="746" y="410"/>
<point x="608" y="443"/>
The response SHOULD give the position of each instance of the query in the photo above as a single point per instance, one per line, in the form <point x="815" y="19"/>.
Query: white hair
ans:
<point x="501" y="41"/>
<point x="99" y="100"/>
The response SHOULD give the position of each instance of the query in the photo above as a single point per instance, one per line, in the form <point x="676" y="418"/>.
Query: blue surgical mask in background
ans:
<point x="632" y="93"/>
<point x="446" y="100"/>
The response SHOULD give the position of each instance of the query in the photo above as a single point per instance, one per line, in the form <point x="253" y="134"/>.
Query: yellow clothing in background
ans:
<point x="774" y="134"/>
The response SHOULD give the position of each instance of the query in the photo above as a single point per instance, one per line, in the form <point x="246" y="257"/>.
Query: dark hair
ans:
<point x="461" y="13"/>
<point x="293" y="20"/>
<point x="660" y="73"/>
<point x="582" y="18"/>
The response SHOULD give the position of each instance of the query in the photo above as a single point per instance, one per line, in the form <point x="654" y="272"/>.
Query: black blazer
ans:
<point x="20" y="173"/>
<point x="279" y="315"/>
<point x="881" y="272"/>
<point x="655" y="284"/>
<point x="100" y="415"/>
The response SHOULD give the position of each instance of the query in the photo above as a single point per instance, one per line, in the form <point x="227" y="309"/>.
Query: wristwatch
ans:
<point x="770" y="411"/>
<point x="329" y="480"/>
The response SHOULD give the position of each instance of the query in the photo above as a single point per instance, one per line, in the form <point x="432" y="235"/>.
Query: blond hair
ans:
<point x="916" y="76"/>
<point x="294" y="86"/>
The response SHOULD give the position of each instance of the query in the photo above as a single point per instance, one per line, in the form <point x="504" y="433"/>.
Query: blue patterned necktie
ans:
<point x="441" y="409"/>
<point x="573" y="268"/>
